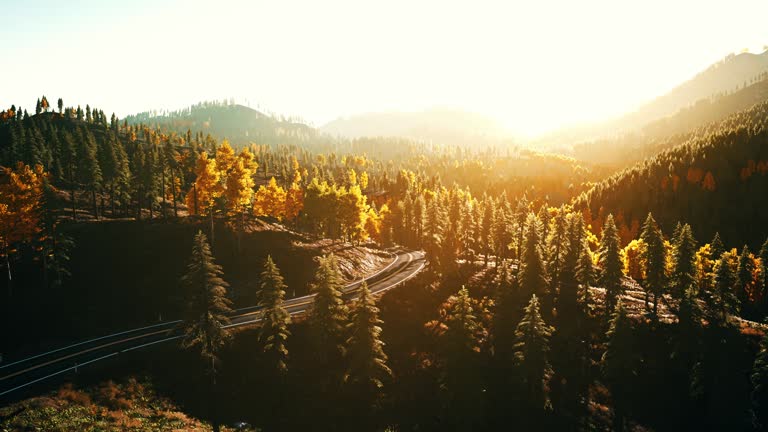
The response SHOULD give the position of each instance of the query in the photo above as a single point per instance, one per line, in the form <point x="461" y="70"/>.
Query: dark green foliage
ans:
<point x="610" y="264"/>
<point x="744" y="275"/>
<point x="461" y="375"/>
<point x="532" y="274"/>
<point x="532" y="354"/>
<point x="683" y="256"/>
<point x="365" y="358"/>
<point x="328" y="316"/>
<point x="759" y="379"/>
<point x="619" y="364"/>
<point x="273" y="333"/>
<point x="723" y="299"/>
<point x="207" y="303"/>
<point x="655" y="278"/>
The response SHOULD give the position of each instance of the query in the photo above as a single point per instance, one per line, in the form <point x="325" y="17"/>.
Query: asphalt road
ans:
<point x="18" y="374"/>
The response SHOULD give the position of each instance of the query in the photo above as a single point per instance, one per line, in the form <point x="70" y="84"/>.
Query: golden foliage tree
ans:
<point x="21" y="192"/>
<point x="225" y="158"/>
<point x="294" y="201"/>
<point x="206" y="188"/>
<point x="270" y="200"/>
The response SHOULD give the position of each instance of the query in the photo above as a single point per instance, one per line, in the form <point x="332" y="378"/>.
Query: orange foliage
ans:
<point x="21" y="190"/>
<point x="709" y="182"/>
<point x="695" y="175"/>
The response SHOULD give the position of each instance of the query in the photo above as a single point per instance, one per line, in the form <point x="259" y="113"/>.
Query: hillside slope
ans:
<point x="707" y="181"/>
<point x="239" y="124"/>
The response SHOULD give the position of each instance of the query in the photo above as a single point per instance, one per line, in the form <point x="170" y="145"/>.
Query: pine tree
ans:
<point x="683" y="259"/>
<point x="328" y="314"/>
<point x="610" y="264"/>
<point x="461" y="378"/>
<point x="208" y="305"/>
<point x="723" y="301"/>
<point x="759" y="378"/>
<point x="532" y="273"/>
<point x="88" y="169"/>
<point x="532" y="353"/>
<point x="489" y="218"/>
<point x="207" y="309"/>
<point x="655" y="262"/>
<point x="585" y="274"/>
<point x="744" y="274"/>
<point x="556" y="249"/>
<point x="60" y="103"/>
<point x="619" y="364"/>
<point x="717" y="246"/>
<point x="764" y="272"/>
<point x="273" y="332"/>
<point x="366" y="361"/>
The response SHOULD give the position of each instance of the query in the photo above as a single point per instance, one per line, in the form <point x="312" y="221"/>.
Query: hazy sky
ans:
<point x="533" y="65"/>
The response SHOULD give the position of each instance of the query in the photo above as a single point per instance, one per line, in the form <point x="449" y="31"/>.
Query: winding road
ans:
<point x="18" y="374"/>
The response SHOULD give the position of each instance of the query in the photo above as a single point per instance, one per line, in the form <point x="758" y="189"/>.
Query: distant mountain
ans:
<point x="444" y="126"/>
<point x="696" y="120"/>
<point x="726" y="76"/>
<point x="241" y="125"/>
<point x="705" y="97"/>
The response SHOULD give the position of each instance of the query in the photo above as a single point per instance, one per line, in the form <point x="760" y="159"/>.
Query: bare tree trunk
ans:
<point x="93" y="201"/>
<point x="212" y="233"/>
<point x="162" y="186"/>
<point x="72" y="198"/>
<point x="173" y="195"/>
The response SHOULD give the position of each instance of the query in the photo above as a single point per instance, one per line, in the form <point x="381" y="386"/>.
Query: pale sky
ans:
<point x="533" y="65"/>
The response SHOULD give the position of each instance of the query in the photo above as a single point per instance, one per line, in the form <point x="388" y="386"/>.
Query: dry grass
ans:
<point x="129" y="406"/>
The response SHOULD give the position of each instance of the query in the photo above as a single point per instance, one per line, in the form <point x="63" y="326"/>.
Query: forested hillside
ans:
<point x="667" y="132"/>
<point x="548" y="289"/>
<point x="716" y="179"/>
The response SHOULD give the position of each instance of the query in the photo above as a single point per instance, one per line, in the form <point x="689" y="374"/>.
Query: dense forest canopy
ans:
<point x="552" y="284"/>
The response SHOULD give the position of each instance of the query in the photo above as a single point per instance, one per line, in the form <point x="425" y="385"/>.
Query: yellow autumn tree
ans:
<point x="206" y="188"/>
<point x="352" y="177"/>
<point x="239" y="188"/>
<point x="225" y="158"/>
<point x="249" y="162"/>
<point x="364" y="180"/>
<point x="351" y="213"/>
<point x="294" y="201"/>
<point x="270" y="200"/>
<point x="21" y="191"/>
<point x="705" y="267"/>
<point x="632" y="257"/>
<point x="373" y="225"/>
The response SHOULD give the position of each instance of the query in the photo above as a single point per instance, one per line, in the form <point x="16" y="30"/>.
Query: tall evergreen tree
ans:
<point x="532" y="275"/>
<point x="585" y="274"/>
<point x="723" y="301"/>
<point x="759" y="378"/>
<point x="655" y="262"/>
<point x="328" y="315"/>
<point x="206" y="313"/>
<point x="461" y="374"/>
<point x="684" y="261"/>
<point x="532" y="354"/>
<point x="744" y="275"/>
<point x="716" y="245"/>
<point x="610" y="264"/>
<point x="366" y="361"/>
<point x="273" y="333"/>
<point x="619" y="364"/>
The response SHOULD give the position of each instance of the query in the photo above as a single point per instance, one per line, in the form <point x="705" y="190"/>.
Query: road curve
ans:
<point x="19" y="374"/>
